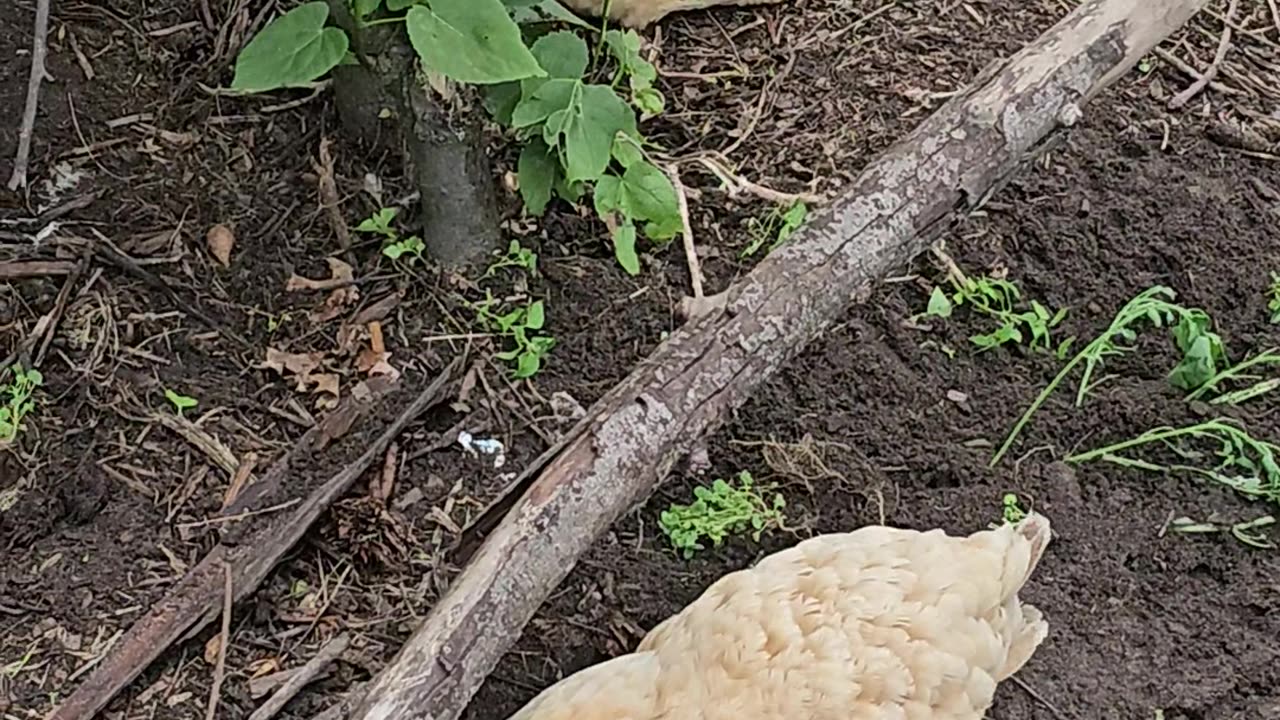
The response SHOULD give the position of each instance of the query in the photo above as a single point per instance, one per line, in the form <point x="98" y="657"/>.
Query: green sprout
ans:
<point x="777" y="227"/>
<point x="1273" y="299"/>
<point x="394" y="246"/>
<point x="517" y="256"/>
<point x="720" y="511"/>
<point x="520" y="325"/>
<point x="997" y="299"/>
<point x="1011" y="509"/>
<point x="180" y="402"/>
<point x="18" y="403"/>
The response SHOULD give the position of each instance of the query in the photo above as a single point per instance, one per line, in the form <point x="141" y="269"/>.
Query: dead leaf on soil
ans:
<point x="341" y="281"/>
<point x="221" y="240"/>
<point x="211" y="649"/>
<point x="300" y="365"/>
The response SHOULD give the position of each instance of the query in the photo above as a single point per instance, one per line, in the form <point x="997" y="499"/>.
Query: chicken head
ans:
<point x="641" y="13"/>
<point x="876" y="624"/>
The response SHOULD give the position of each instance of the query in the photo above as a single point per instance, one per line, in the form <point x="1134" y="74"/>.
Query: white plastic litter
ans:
<point x="488" y="446"/>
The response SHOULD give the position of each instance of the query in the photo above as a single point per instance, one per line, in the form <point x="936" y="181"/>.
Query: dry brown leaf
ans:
<point x="326" y="383"/>
<point x="221" y="240"/>
<point x="340" y="273"/>
<point x="211" y="649"/>
<point x="298" y="364"/>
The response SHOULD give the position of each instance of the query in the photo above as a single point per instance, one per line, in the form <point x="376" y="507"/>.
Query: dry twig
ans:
<point x="302" y="677"/>
<point x="38" y="74"/>
<point x="220" y="670"/>
<point x="1224" y="44"/>
<point x="686" y="233"/>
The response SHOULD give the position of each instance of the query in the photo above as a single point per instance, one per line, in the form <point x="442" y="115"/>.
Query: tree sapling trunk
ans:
<point x="439" y="126"/>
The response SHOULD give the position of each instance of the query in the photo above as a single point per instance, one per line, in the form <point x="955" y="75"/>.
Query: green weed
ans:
<point x="180" y="402"/>
<point x="18" y="403"/>
<point x="520" y="325"/>
<point x="775" y="229"/>
<point x="1011" y="509"/>
<point x="1202" y="350"/>
<point x="720" y="511"/>
<point x="394" y="246"/>
<point x="1235" y="373"/>
<point x="517" y="256"/>
<point x="997" y="299"/>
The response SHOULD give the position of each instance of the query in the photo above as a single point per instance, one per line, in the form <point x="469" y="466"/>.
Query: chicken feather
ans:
<point x="876" y="624"/>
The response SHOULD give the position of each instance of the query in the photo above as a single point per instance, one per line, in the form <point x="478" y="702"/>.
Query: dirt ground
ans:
<point x="890" y="417"/>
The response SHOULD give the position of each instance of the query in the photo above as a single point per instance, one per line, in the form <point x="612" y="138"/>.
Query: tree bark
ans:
<point x="629" y="441"/>
<point x="438" y="127"/>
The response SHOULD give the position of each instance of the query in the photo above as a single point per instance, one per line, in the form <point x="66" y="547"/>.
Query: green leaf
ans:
<point x="535" y="316"/>
<point x="607" y="196"/>
<point x="535" y="11"/>
<point x="625" y="151"/>
<point x="500" y="101"/>
<point x="624" y="248"/>
<point x="939" y="305"/>
<point x="561" y="54"/>
<point x="294" y="49"/>
<point x="528" y="364"/>
<point x="647" y="194"/>
<point x="364" y="8"/>
<point x="548" y="98"/>
<point x="588" y="127"/>
<point x="398" y="5"/>
<point x="470" y="41"/>
<point x="180" y="402"/>
<point x="379" y="222"/>
<point x="536" y="170"/>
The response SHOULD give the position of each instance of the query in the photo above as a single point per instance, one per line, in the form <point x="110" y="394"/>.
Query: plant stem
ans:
<point x="1268" y="356"/>
<point x="1159" y="434"/>
<point x="1035" y="405"/>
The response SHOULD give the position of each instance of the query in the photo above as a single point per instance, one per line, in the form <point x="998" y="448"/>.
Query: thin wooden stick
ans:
<point x="686" y="234"/>
<point x="220" y="669"/>
<point x="38" y="74"/>
<point x="302" y="678"/>
<point x="1211" y="72"/>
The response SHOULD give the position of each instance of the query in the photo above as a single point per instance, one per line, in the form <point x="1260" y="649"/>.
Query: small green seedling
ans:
<point x="1247" y="532"/>
<point x="1203" y="351"/>
<point x="180" y="402"/>
<point x="517" y="256"/>
<point x="720" y="511"/>
<point x="521" y="326"/>
<point x="394" y="246"/>
<point x="1273" y="299"/>
<point x="17" y="401"/>
<point x="777" y="227"/>
<point x="998" y="299"/>
<point x="1011" y="509"/>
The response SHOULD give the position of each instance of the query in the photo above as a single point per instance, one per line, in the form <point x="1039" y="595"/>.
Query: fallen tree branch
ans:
<point x="39" y="48"/>
<point x="249" y="548"/>
<point x="303" y="677"/>
<point x="635" y="434"/>
<point x="1211" y="72"/>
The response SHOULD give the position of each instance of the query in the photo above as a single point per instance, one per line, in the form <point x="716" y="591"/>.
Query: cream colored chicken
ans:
<point x="876" y="624"/>
<point x="640" y="13"/>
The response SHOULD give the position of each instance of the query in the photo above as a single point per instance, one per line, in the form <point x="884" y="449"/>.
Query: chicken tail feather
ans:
<point x="1037" y="531"/>
<point x="1026" y="639"/>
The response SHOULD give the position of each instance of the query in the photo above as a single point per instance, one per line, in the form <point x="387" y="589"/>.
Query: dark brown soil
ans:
<point x="888" y="418"/>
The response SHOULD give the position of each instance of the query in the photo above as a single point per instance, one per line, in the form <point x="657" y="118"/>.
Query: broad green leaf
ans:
<point x="398" y="5"/>
<point x="589" y="126"/>
<point x="364" y="8"/>
<point x="294" y="49"/>
<point x="626" y="152"/>
<point x="537" y="172"/>
<point x="535" y="316"/>
<point x="528" y="364"/>
<point x="500" y="101"/>
<point x="624" y="248"/>
<point x="553" y="96"/>
<point x="650" y="101"/>
<point x="561" y="54"/>
<point x="536" y="11"/>
<point x="939" y="305"/>
<point x="647" y="194"/>
<point x="470" y="41"/>
<point x="607" y="195"/>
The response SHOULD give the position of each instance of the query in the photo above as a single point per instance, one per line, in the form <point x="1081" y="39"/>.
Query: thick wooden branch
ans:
<point x="634" y="435"/>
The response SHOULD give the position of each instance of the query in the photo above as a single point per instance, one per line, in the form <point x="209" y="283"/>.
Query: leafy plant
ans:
<point x="1202" y="350"/>
<point x="576" y="135"/>
<point x="520" y="325"/>
<point x="720" y="511"/>
<point x="1273" y="299"/>
<point x="1237" y="372"/>
<point x="1243" y="463"/>
<point x="1011" y="509"/>
<point x="394" y="246"/>
<point x="517" y="256"/>
<point x="1246" y="531"/>
<point x="18" y="403"/>
<point x="776" y="228"/>
<point x="998" y="299"/>
<point x="180" y="402"/>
